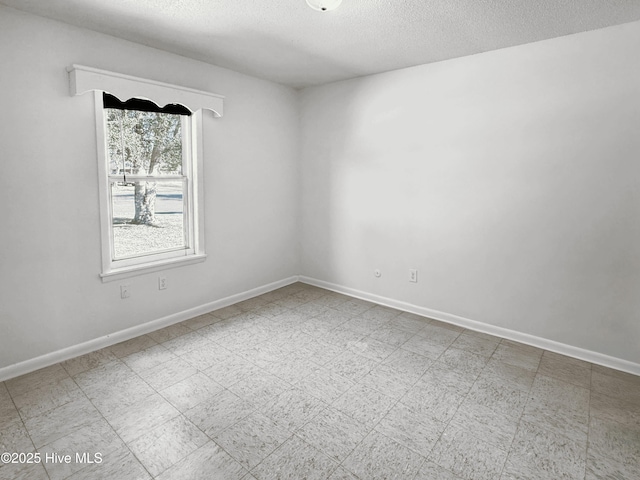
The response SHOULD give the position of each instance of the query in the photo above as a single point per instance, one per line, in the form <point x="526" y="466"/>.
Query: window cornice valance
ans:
<point x="84" y="79"/>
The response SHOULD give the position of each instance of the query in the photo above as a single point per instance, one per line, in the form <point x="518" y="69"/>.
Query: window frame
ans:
<point x="84" y="79"/>
<point x="113" y="269"/>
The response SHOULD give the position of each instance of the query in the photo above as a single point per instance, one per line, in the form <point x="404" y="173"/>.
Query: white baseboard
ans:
<point x="58" y="356"/>
<point x="543" y="343"/>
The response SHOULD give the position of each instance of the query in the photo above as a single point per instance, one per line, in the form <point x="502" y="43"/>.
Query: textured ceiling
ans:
<point x="287" y="42"/>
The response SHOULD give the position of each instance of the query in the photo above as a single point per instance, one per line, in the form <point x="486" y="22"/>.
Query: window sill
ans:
<point x="135" y="270"/>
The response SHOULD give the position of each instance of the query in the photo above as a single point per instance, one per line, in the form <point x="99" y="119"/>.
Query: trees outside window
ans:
<point x="148" y="168"/>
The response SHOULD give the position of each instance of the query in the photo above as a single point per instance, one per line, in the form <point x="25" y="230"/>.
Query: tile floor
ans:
<point x="302" y="383"/>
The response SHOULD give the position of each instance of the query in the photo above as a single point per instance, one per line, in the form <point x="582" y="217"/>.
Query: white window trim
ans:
<point x="84" y="79"/>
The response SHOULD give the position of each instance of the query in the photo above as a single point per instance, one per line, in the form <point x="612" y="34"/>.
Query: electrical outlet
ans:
<point x="162" y="283"/>
<point x="413" y="276"/>
<point x="125" y="291"/>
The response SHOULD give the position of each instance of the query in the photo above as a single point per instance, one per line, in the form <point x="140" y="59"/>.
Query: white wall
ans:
<point x="50" y="294"/>
<point x="510" y="180"/>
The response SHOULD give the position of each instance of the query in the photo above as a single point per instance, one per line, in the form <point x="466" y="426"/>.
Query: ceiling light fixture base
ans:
<point x="324" y="5"/>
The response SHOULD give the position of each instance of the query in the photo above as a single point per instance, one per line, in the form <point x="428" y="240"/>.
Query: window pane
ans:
<point x="143" y="143"/>
<point x="148" y="217"/>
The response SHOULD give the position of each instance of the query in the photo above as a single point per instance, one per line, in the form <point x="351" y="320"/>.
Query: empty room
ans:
<point x="320" y="239"/>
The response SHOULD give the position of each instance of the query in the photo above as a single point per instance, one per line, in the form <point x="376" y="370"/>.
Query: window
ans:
<point x="149" y="139"/>
<point x="150" y="180"/>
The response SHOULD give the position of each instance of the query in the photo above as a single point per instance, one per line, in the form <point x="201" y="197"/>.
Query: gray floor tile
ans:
<point x="252" y="439"/>
<point x="411" y="429"/>
<point x="295" y="460"/>
<point x="379" y="457"/>
<point x="461" y="452"/>
<point x="208" y="462"/>
<point x="334" y="433"/>
<point x="537" y="453"/>
<point x="389" y="394"/>
<point x="219" y="412"/>
<point x="570" y="370"/>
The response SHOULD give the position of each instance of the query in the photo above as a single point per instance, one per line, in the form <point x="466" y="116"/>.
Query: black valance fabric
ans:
<point x="111" y="101"/>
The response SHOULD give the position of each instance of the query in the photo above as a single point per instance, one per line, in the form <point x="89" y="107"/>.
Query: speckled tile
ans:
<point x="617" y="441"/>
<point x="440" y="333"/>
<point x="8" y="410"/>
<point x="89" y="361"/>
<point x="226" y="312"/>
<point x="14" y="437"/>
<point x="185" y="343"/>
<point x="160" y="448"/>
<point x="511" y="375"/>
<point x="252" y="439"/>
<point x="141" y="417"/>
<point x="424" y="346"/>
<point x="437" y="396"/>
<point x="112" y="399"/>
<point x="168" y="373"/>
<point x="321" y="352"/>
<point x="260" y="388"/>
<point x="431" y="471"/>
<point x="310" y="309"/>
<point x="342" y="474"/>
<point x="364" y="404"/>
<point x="411" y="429"/>
<point x="440" y="375"/>
<point x="342" y="337"/>
<point x="570" y="370"/>
<point x="231" y="370"/>
<point x="354" y="306"/>
<point x="206" y="356"/>
<point x="196" y="323"/>
<point x="601" y="468"/>
<point x="24" y="471"/>
<point x="113" y="387"/>
<point x="616" y="387"/>
<point x="474" y="344"/>
<point x="459" y="451"/>
<point x="295" y="460"/>
<point x="120" y="464"/>
<point x="40" y="378"/>
<point x="47" y="397"/>
<point x="388" y="380"/>
<point x="463" y="361"/>
<point x="293" y="408"/>
<point x="363" y="324"/>
<point x="292" y="369"/>
<point x="391" y="335"/>
<point x="191" y="391"/>
<point x="554" y="391"/>
<point x="334" y="433"/>
<point x="537" y="453"/>
<point x="498" y="396"/>
<point x="149" y="358"/>
<point x="409" y="322"/>
<point x="569" y="420"/>
<point x="379" y="457"/>
<point x="134" y="345"/>
<point x="371" y="348"/>
<point x="409" y="363"/>
<point x="325" y="385"/>
<point x="91" y="439"/>
<point x="168" y="333"/>
<point x="627" y="377"/>
<point x="351" y="365"/>
<point x="219" y="412"/>
<point x="61" y="421"/>
<point x="492" y="427"/>
<point x="614" y="409"/>
<point x="518" y="355"/>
